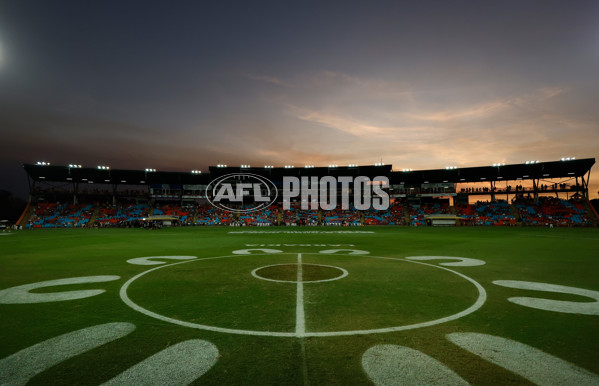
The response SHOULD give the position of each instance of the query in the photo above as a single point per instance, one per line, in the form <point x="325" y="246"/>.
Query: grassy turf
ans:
<point x="377" y="293"/>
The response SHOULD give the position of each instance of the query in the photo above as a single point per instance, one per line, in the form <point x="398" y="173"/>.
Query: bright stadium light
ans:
<point x="568" y="158"/>
<point x="499" y="164"/>
<point x="150" y="170"/>
<point x="196" y="172"/>
<point x="333" y="166"/>
<point x="407" y="170"/>
<point x="289" y="166"/>
<point x="42" y="163"/>
<point x="450" y="167"/>
<point x="309" y="166"/>
<point x="74" y="166"/>
<point x="221" y="166"/>
<point x="268" y="166"/>
<point x="102" y="167"/>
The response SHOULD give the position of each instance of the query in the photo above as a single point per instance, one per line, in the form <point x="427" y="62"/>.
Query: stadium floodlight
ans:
<point x="221" y="166"/>
<point x="450" y="167"/>
<point x="379" y="164"/>
<point x="42" y="163"/>
<point x="69" y="179"/>
<point x="123" y="181"/>
<point x="289" y="166"/>
<point x="309" y="166"/>
<point x="43" y="178"/>
<point x="196" y="172"/>
<point x="407" y="170"/>
<point x="333" y="165"/>
<point x="102" y="167"/>
<point x="74" y="166"/>
<point x="499" y="164"/>
<point x="150" y="170"/>
<point x="268" y="166"/>
<point x="568" y="158"/>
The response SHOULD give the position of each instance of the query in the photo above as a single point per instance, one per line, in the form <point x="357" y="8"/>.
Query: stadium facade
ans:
<point x="532" y="193"/>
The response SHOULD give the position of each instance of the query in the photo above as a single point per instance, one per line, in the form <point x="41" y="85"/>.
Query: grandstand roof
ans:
<point x="541" y="170"/>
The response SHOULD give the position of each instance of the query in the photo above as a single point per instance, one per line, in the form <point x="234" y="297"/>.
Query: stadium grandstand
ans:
<point x="530" y="194"/>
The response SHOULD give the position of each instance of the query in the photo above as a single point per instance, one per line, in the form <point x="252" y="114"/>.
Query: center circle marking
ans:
<point x="344" y="273"/>
<point x="481" y="299"/>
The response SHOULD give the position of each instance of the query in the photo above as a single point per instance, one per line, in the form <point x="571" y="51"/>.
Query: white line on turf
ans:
<point x="388" y="364"/>
<point x="462" y="261"/>
<point x="21" y="294"/>
<point x="584" y="308"/>
<point x="20" y="367"/>
<point x="482" y="298"/>
<point x="180" y="364"/>
<point x="300" y="321"/>
<point x="528" y="362"/>
<point x="157" y="260"/>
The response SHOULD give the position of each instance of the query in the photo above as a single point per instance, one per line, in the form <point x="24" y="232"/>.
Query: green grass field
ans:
<point x="328" y="320"/>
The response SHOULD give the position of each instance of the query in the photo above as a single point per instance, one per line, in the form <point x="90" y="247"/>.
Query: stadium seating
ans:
<point x="548" y="211"/>
<point x="297" y="216"/>
<point x="56" y="215"/>
<point x="419" y="213"/>
<point x="395" y="215"/>
<point x="121" y="215"/>
<point x="487" y="214"/>
<point x="552" y="211"/>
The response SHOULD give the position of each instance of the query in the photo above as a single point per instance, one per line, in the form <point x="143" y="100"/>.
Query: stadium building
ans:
<point x="530" y="194"/>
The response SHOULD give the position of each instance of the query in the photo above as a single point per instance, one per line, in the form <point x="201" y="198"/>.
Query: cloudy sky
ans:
<point x="182" y="85"/>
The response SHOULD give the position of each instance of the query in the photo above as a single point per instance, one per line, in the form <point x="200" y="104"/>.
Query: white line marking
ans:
<point x="300" y="321"/>
<point x="251" y="251"/>
<point x="528" y="362"/>
<point x="344" y="273"/>
<point x="21" y="294"/>
<point x="584" y="308"/>
<point x="180" y="364"/>
<point x="351" y="251"/>
<point x="462" y="261"/>
<point x="20" y="367"/>
<point x="304" y="361"/>
<point x="157" y="260"/>
<point x="388" y="364"/>
<point x="482" y="298"/>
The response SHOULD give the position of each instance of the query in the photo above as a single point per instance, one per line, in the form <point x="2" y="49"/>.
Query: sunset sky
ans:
<point x="182" y="85"/>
